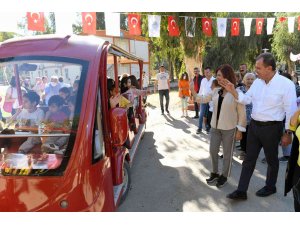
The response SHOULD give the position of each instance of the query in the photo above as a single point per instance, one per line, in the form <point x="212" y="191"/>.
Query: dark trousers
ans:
<point x="196" y="108"/>
<point x="296" y="179"/>
<point x="163" y="93"/>
<point x="244" y="140"/>
<point x="209" y="116"/>
<point x="268" y="138"/>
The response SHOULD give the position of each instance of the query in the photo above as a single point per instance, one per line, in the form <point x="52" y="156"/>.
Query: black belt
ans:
<point x="266" y="123"/>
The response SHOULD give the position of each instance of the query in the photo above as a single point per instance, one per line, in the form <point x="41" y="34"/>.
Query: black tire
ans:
<point x="126" y="181"/>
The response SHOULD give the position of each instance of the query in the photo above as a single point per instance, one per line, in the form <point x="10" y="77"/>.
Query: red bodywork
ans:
<point x="86" y="186"/>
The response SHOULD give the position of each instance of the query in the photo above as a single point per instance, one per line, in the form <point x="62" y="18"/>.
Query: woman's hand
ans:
<point x="238" y="135"/>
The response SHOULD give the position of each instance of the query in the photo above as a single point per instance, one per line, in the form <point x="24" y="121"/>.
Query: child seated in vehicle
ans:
<point x="55" y="121"/>
<point x="29" y="116"/>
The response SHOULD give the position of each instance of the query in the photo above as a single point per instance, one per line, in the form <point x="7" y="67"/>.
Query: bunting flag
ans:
<point x="134" y="24"/>
<point x="221" y="24"/>
<point x="190" y="25"/>
<point x="89" y="21"/>
<point x="247" y="26"/>
<point x="298" y="22"/>
<point x="291" y="24"/>
<point x="282" y="19"/>
<point x="270" y="25"/>
<point x="172" y="26"/>
<point x="112" y="24"/>
<point x="207" y="26"/>
<point x="235" y="27"/>
<point x="63" y="22"/>
<point x="36" y="21"/>
<point x="154" y="25"/>
<point x="8" y="22"/>
<point x="259" y="25"/>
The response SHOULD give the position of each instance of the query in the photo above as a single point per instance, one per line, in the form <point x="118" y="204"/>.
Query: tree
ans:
<point x="284" y="42"/>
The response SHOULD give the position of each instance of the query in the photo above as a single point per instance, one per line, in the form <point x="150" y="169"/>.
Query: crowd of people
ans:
<point x="257" y="109"/>
<point x="51" y="104"/>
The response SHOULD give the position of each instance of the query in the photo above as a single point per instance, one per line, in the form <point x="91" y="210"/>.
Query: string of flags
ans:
<point x="36" y="22"/>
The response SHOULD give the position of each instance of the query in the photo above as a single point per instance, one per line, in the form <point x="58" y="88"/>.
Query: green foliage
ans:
<point x="284" y="42"/>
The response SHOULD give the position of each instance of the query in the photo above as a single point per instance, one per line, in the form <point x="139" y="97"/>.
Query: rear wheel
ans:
<point x="126" y="181"/>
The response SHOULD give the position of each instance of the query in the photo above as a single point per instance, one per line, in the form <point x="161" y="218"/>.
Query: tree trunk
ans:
<point x="191" y="63"/>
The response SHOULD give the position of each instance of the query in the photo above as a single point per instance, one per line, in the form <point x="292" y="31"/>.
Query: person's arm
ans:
<point x="242" y="98"/>
<point x="294" y="122"/>
<point x="200" y="98"/>
<point x="290" y="107"/>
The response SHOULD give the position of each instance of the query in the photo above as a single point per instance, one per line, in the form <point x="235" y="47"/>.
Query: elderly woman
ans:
<point x="227" y="124"/>
<point x="247" y="81"/>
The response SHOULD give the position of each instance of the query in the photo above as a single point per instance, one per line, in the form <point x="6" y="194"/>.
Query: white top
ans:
<point x="205" y="86"/>
<point x="35" y="117"/>
<point x="272" y="101"/>
<point x="162" y="79"/>
<point x="145" y="81"/>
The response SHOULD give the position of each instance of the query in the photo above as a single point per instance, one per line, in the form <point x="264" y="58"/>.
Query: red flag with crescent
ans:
<point x="173" y="26"/>
<point x="36" y="21"/>
<point x="207" y="26"/>
<point x="259" y="25"/>
<point x="235" y="27"/>
<point x="89" y="21"/>
<point x="298" y="22"/>
<point x="134" y="24"/>
<point x="282" y="19"/>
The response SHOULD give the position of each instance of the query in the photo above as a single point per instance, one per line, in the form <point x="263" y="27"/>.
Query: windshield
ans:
<point x="40" y="110"/>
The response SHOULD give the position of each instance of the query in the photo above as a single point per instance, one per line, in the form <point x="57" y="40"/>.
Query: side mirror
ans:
<point x="119" y="125"/>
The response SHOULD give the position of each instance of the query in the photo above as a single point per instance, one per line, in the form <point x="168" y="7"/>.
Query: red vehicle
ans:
<point x="91" y="172"/>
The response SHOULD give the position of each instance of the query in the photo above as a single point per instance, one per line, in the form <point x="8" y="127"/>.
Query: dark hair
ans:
<point x="61" y="79"/>
<point x="242" y="64"/>
<point x="72" y="100"/>
<point x="228" y="73"/>
<point x="56" y="100"/>
<point x="65" y="90"/>
<point x="134" y="81"/>
<point x="32" y="97"/>
<point x="110" y="86"/>
<point x="268" y="60"/>
<point x="216" y="83"/>
<point x="184" y="74"/>
<point x="123" y="86"/>
<point x="13" y="81"/>
<point x="207" y="68"/>
<point x="287" y="75"/>
<point x="196" y="68"/>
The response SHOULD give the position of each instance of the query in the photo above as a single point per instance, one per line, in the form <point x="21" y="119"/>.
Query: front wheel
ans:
<point x="126" y="181"/>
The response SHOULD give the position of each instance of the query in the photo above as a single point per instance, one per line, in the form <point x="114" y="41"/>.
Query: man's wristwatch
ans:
<point x="288" y="132"/>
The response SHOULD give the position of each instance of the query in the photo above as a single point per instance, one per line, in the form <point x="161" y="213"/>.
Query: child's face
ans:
<point x="28" y="104"/>
<point x="63" y="95"/>
<point x="128" y="83"/>
<point x="53" y="108"/>
<point x="71" y="107"/>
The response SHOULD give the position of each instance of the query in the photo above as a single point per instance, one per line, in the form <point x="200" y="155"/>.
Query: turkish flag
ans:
<point x="259" y="25"/>
<point x="298" y="22"/>
<point x="235" y="27"/>
<point x="207" y="26"/>
<point x="134" y="24"/>
<point x="282" y="19"/>
<point x="89" y="21"/>
<point x="172" y="26"/>
<point x="36" y="21"/>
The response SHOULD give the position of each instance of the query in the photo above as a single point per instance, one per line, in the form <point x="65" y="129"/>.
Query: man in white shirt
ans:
<point x="205" y="88"/>
<point x="273" y="98"/>
<point x="163" y="86"/>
